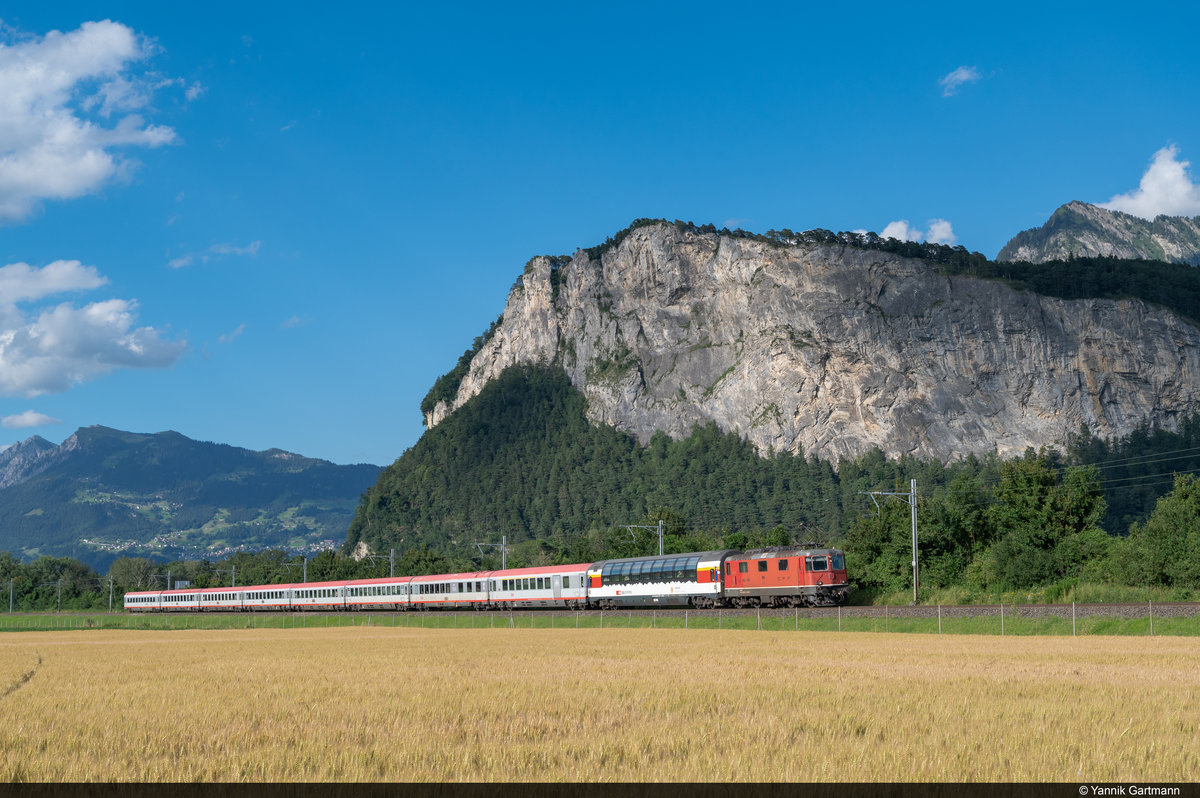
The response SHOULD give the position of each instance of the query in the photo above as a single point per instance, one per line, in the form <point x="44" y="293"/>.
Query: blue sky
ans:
<point x="275" y="225"/>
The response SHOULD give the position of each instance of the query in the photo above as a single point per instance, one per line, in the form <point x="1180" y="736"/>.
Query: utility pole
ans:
<point x="658" y="528"/>
<point x="60" y="594"/>
<point x="110" y="592"/>
<point x="306" y="570"/>
<point x="502" y="545"/>
<point x="10" y="594"/>
<point x="911" y="499"/>
<point x="392" y="564"/>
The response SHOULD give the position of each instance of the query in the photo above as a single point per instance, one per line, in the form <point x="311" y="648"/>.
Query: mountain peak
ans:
<point x="1080" y="229"/>
<point x="23" y="460"/>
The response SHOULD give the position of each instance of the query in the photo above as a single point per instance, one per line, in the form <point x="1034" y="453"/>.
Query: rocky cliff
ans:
<point x="1082" y="230"/>
<point x="833" y="350"/>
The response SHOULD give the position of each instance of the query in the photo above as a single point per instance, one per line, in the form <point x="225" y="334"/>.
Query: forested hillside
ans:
<point x="521" y="460"/>
<point x="106" y="493"/>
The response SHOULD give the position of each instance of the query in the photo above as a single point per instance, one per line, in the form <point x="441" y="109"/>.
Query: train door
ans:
<point x="556" y="586"/>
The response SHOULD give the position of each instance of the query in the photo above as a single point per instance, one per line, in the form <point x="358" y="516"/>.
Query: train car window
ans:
<point x="693" y="564"/>
<point x="743" y="567"/>
<point x="783" y="564"/>
<point x="762" y="565"/>
<point x="839" y="562"/>
<point x="566" y="581"/>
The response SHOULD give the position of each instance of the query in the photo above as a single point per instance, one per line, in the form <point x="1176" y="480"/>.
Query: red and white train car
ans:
<point x="544" y="587"/>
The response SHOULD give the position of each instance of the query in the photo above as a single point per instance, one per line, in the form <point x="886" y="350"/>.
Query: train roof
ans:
<point x="789" y="551"/>
<point x="703" y="555"/>
<point x="452" y="577"/>
<point x="539" y="570"/>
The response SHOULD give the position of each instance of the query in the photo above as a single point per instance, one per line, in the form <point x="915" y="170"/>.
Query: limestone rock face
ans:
<point x="1082" y="230"/>
<point x="834" y="350"/>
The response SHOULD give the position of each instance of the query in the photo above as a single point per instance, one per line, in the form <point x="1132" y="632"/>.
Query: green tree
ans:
<point x="1046" y="527"/>
<point x="1165" y="550"/>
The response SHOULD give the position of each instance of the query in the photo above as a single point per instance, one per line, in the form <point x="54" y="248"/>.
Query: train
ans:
<point x="792" y="576"/>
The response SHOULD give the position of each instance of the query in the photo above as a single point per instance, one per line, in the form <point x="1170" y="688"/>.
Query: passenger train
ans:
<point x="774" y="577"/>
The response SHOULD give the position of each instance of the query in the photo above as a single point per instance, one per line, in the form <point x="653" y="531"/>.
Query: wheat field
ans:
<point x="380" y="704"/>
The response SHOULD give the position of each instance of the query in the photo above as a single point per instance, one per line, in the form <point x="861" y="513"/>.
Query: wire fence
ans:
<point x="1149" y="619"/>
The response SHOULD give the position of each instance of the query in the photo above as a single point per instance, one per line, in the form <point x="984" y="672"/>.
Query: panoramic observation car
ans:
<point x="672" y="579"/>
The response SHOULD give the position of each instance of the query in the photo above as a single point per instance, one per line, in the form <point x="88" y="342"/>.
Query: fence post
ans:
<point x="758" y="614"/>
<point x="1002" y="619"/>
<point x="839" y="617"/>
<point x="1152" y="619"/>
<point x="939" y="617"/>
<point x="1073" y="633"/>
<point x="885" y="619"/>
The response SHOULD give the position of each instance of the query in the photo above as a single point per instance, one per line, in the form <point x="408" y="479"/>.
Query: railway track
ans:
<point x="1174" y="609"/>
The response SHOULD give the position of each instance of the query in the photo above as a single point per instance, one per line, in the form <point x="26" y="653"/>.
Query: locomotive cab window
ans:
<point x="818" y="563"/>
<point x="839" y="562"/>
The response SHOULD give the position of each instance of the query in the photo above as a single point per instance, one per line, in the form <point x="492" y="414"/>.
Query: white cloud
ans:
<point x="49" y="86"/>
<point x="29" y="418"/>
<point x="1166" y="188"/>
<point x="50" y="349"/>
<point x="958" y="78"/>
<point x="940" y="232"/>
<point x="217" y="250"/>
<point x="20" y="282"/>
<point x="229" y="337"/>
<point x="229" y="249"/>
<point x="195" y="91"/>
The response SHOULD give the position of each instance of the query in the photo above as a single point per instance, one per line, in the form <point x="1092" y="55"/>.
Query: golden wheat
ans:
<point x="380" y="704"/>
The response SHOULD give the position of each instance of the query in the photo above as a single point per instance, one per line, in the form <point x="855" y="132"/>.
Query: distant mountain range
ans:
<point x="105" y="493"/>
<point x="1080" y="230"/>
